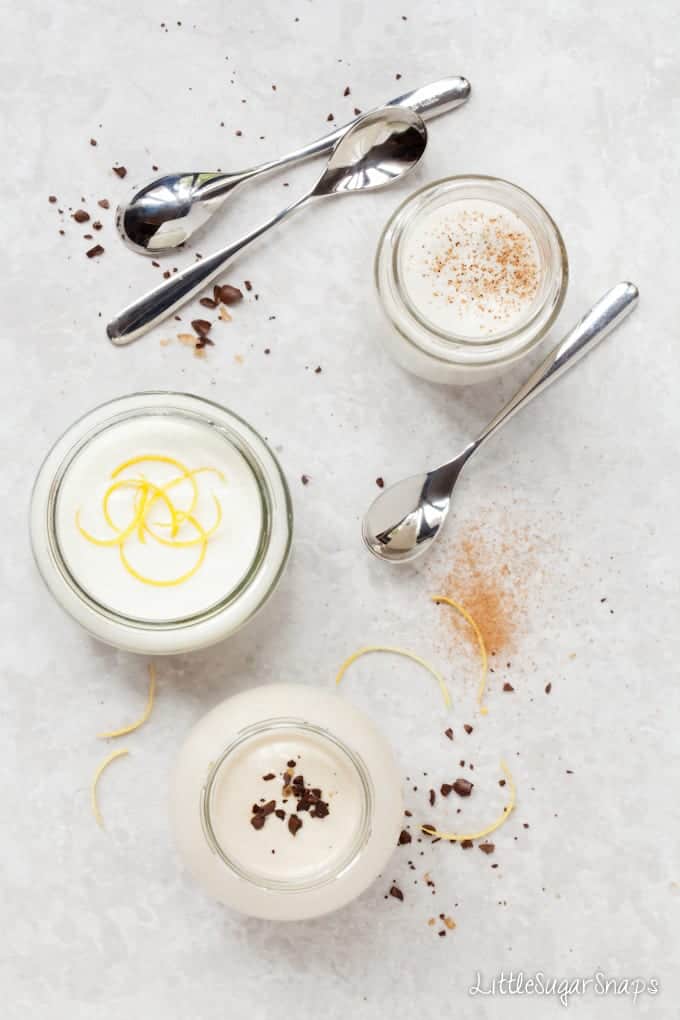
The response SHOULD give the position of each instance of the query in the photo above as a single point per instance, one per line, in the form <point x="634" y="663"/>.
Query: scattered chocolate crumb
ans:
<point x="449" y="733"/>
<point x="397" y="76"/>
<point x="270" y="775"/>
<point x="508" y="687"/>
<point x="52" y="199"/>
<point x="257" y="821"/>
<point x="380" y="482"/>
<point x="88" y="237"/>
<point x="247" y="284"/>
<point x="207" y="302"/>
<point x="167" y="274"/>
<point x="304" y="479"/>
<point x="487" y="848"/>
<point x="445" y="789"/>
<point x="441" y="933"/>
<point x="93" y="252"/>
<point x="292" y="764"/>
<point x="320" y="809"/>
<point x="432" y="798"/>
<point x="330" y="117"/>
<point x="404" y="838"/>
<point x="467" y="728"/>
<point x="97" y="225"/>
<point x="501" y="782"/>
<point x="466" y="844"/>
<point x="80" y="216"/>
<point x="548" y="688"/>
<point x="103" y="203"/>
<point x="525" y="825"/>
<point x="238" y="133"/>
<point x="317" y="370"/>
<point x="463" y="787"/>
<point x="357" y="111"/>
<point x="570" y="772"/>
<point x="409" y="814"/>
<point x="120" y="171"/>
<point x="294" y="825"/>
<point x="346" y="92"/>
<point x="396" y="892"/>
<point x="93" y="141"/>
<point x="226" y="294"/>
<point x="201" y="326"/>
<point x="280" y="813"/>
<point x="269" y="807"/>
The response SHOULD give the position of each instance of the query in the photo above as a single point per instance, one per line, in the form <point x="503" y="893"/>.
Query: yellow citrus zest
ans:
<point x="95" y="781"/>
<point x="124" y="730"/>
<point x="480" y="641"/>
<point x="145" y="495"/>
<point x="457" y="837"/>
<point x="397" y="651"/>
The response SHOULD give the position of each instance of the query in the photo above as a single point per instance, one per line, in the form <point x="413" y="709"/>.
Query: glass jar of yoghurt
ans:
<point x="286" y="802"/>
<point x="471" y="272"/>
<point x="161" y="522"/>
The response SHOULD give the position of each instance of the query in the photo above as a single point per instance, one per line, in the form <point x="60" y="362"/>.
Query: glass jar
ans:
<point x="458" y="355"/>
<point x="240" y="566"/>
<point x="234" y="761"/>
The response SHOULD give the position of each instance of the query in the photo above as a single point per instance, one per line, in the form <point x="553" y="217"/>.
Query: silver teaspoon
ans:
<point x="405" y="519"/>
<point x="166" y="212"/>
<point x="377" y="150"/>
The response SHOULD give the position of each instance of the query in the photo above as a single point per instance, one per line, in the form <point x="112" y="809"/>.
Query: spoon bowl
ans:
<point x="166" y="212"/>
<point x="378" y="149"/>
<point x="404" y="520"/>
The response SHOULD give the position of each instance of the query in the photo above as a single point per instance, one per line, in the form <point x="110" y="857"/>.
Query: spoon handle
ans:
<point x="429" y="101"/>
<point x="144" y="313"/>
<point x="602" y="318"/>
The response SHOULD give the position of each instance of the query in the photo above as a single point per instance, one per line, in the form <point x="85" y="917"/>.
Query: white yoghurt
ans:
<point x="471" y="267"/>
<point x="229" y="554"/>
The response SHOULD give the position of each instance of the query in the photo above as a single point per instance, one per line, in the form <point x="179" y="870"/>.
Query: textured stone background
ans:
<point x="577" y="102"/>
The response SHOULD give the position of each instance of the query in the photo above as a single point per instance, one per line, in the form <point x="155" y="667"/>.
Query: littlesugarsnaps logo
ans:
<point x="563" y="988"/>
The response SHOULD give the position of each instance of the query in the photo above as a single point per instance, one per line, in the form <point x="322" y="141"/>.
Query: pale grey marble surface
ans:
<point x="577" y="102"/>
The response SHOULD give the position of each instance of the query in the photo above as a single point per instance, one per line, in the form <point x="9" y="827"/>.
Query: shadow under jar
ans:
<point x="472" y="272"/>
<point x="161" y="522"/>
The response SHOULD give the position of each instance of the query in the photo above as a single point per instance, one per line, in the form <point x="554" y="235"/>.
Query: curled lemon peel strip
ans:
<point x="177" y="543"/>
<point x="397" y="651"/>
<point x="93" y="789"/>
<point x="124" y="730"/>
<point x="455" y="837"/>
<point x="175" y="580"/>
<point x="480" y="641"/>
<point x="146" y="495"/>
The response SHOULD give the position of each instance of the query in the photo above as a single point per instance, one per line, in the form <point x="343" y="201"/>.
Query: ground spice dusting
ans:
<point x="489" y="575"/>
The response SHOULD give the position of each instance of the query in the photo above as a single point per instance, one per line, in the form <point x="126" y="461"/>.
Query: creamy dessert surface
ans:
<point x="229" y="551"/>
<point x="471" y="267"/>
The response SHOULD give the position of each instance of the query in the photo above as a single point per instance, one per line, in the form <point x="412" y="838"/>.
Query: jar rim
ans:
<point x="106" y="622"/>
<point x="441" y="345"/>
<point x="323" y="876"/>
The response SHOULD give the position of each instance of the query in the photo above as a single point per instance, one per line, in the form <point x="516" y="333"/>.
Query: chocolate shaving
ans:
<point x="201" y="326"/>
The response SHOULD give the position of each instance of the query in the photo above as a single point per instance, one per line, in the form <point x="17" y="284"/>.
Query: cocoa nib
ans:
<point x="294" y="825"/>
<point x="463" y="787"/>
<point x="226" y="294"/>
<point x="201" y="326"/>
<point x="404" y="837"/>
<point x="396" y="892"/>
